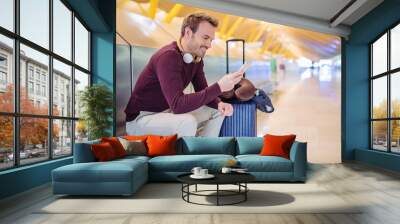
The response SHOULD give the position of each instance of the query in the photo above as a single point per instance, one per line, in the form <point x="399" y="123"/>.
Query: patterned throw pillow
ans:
<point x="134" y="147"/>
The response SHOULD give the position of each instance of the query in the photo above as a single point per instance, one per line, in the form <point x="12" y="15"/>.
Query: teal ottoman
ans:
<point x="118" y="177"/>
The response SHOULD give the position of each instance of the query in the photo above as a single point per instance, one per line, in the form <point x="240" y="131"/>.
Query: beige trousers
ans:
<point x="205" y="121"/>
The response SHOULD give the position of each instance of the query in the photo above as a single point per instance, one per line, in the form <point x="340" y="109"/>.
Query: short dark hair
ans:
<point x="193" y="20"/>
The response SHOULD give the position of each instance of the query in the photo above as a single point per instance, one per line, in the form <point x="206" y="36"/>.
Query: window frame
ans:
<point x="16" y="114"/>
<point x="388" y="74"/>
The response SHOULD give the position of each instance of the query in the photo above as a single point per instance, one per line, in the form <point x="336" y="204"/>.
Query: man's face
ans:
<point x="199" y="42"/>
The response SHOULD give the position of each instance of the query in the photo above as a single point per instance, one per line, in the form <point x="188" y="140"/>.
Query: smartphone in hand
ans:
<point x="244" y="67"/>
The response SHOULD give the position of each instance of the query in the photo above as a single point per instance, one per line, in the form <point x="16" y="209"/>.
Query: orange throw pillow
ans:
<point x="161" y="145"/>
<point x="103" y="151"/>
<point x="116" y="145"/>
<point x="277" y="145"/>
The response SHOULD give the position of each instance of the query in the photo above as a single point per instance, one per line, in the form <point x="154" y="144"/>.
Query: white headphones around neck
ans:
<point x="187" y="57"/>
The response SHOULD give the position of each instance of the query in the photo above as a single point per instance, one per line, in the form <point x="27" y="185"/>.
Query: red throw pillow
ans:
<point x="277" y="145"/>
<point x="103" y="151"/>
<point x="116" y="145"/>
<point x="161" y="145"/>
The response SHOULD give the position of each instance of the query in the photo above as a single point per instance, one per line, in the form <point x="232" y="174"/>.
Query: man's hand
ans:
<point x="225" y="109"/>
<point x="228" y="81"/>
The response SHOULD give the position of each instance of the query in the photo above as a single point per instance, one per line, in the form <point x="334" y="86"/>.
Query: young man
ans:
<point x="158" y="104"/>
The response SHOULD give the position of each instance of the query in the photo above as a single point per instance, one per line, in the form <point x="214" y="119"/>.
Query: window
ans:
<point x="33" y="148"/>
<point x="30" y="87"/>
<point x="3" y="72"/>
<point x="3" y="61"/>
<point x="37" y="89"/>
<point x="45" y="131"/>
<point x="3" y="78"/>
<point x="7" y="142"/>
<point x="395" y="47"/>
<point x="379" y="56"/>
<point x="81" y="81"/>
<point x="81" y="45"/>
<point x="6" y="74"/>
<point x="30" y="72"/>
<point x="44" y="91"/>
<point x="62" y="29"/>
<point x="385" y="91"/>
<point x="7" y="14"/>
<point x="62" y="74"/>
<point x="62" y="140"/>
<point x="37" y="74"/>
<point x="34" y="21"/>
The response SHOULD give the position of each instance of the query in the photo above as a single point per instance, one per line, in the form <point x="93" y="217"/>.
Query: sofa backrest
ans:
<point x="190" y="146"/>
<point x="206" y="145"/>
<point x="249" y="145"/>
<point x="83" y="153"/>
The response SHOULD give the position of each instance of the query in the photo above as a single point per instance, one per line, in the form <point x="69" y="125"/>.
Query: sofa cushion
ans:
<point x="248" y="145"/>
<point x="83" y="152"/>
<point x="257" y="163"/>
<point x="185" y="163"/>
<point x="207" y="145"/>
<point x="132" y="158"/>
<point x="111" y="171"/>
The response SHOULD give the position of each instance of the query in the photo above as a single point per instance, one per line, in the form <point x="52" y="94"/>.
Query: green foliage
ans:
<point x="96" y="103"/>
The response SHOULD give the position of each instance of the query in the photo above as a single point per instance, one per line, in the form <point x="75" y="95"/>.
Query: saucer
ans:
<point x="208" y="176"/>
<point x="240" y="171"/>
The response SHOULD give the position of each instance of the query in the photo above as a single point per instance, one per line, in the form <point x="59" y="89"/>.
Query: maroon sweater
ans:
<point x="160" y="85"/>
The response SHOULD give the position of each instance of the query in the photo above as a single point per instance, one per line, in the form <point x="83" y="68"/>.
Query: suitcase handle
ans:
<point x="227" y="52"/>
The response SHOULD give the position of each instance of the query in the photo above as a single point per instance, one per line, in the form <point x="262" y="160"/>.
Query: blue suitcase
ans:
<point x="242" y="122"/>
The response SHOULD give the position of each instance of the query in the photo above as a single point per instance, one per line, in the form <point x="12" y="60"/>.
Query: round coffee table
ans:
<point x="238" y="179"/>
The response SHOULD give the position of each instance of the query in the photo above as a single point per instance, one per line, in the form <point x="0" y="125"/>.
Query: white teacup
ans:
<point x="203" y="172"/>
<point x="226" y="170"/>
<point x="196" y="170"/>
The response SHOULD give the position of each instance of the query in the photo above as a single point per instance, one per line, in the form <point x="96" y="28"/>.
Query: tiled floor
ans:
<point x="307" y="103"/>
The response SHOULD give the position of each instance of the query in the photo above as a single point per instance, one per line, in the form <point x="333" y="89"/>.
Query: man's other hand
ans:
<point x="225" y="109"/>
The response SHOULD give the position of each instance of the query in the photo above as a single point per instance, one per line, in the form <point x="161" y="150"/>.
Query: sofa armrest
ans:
<point x="83" y="152"/>
<point x="298" y="155"/>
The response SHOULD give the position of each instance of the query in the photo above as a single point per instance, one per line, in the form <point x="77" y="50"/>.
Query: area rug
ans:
<point x="167" y="198"/>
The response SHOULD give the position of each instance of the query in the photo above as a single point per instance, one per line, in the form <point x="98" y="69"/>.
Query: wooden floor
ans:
<point x="378" y="189"/>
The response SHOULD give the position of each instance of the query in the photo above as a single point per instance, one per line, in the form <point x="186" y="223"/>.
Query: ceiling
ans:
<point x="154" y="23"/>
<point x="321" y="9"/>
<point x="313" y="15"/>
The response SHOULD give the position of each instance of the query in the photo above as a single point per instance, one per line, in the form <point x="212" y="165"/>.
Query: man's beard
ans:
<point x="196" y="51"/>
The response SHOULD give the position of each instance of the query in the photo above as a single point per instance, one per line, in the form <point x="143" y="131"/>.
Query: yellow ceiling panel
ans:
<point x="269" y="38"/>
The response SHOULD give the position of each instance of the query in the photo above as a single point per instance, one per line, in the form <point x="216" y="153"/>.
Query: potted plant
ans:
<point x="96" y="104"/>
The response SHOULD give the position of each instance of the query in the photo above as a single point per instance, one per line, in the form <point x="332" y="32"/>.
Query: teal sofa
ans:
<point x="125" y="176"/>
